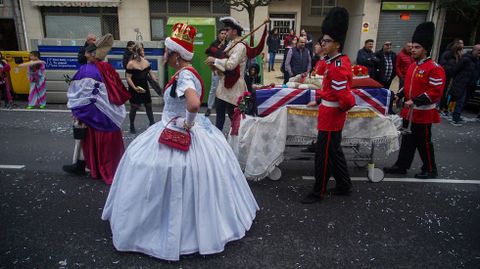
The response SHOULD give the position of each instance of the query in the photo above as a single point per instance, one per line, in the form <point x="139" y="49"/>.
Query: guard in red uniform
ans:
<point x="335" y="100"/>
<point x="424" y="83"/>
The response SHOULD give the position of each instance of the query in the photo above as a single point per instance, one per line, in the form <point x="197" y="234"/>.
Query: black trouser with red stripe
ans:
<point x="329" y="159"/>
<point x="421" y="139"/>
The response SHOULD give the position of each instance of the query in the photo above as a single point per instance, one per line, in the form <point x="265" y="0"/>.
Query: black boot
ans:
<point x="395" y="169"/>
<point x="426" y="175"/>
<point x="208" y="112"/>
<point x="311" y="198"/>
<point x="340" y="191"/>
<point x="77" y="168"/>
<point x="132" y="129"/>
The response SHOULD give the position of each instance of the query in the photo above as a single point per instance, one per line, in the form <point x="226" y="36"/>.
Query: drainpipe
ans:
<point x="27" y="45"/>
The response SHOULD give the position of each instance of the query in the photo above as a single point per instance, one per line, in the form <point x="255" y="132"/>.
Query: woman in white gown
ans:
<point x="165" y="202"/>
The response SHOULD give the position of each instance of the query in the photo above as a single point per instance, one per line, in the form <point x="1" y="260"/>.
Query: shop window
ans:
<point x="160" y="10"/>
<point x="158" y="28"/>
<point x="178" y="6"/>
<point x="322" y="7"/>
<point x="200" y="6"/>
<point x="78" y="22"/>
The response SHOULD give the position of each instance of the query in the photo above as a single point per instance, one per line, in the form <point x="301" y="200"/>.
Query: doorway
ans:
<point x="8" y="35"/>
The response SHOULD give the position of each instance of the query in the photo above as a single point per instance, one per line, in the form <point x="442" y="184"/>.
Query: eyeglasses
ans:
<point x="326" y="40"/>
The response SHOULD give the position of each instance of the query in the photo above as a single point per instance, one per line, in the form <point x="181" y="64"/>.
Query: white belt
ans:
<point x="425" y="107"/>
<point x="330" y="104"/>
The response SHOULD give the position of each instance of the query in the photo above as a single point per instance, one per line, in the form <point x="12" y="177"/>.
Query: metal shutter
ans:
<point x="392" y="28"/>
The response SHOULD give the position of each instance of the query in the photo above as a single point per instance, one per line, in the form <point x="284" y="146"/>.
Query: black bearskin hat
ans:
<point x="423" y="35"/>
<point x="335" y="25"/>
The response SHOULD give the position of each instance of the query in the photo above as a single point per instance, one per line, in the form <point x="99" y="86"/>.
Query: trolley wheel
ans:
<point x="375" y="175"/>
<point x="360" y="164"/>
<point x="276" y="174"/>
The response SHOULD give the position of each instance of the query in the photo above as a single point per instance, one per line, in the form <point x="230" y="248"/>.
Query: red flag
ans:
<point x="253" y="52"/>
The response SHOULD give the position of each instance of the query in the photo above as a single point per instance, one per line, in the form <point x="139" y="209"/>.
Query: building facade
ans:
<point x="12" y="35"/>
<point x="145" y="20"/>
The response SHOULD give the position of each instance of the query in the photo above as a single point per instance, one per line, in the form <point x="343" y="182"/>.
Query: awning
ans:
<point x="74" y="3"/>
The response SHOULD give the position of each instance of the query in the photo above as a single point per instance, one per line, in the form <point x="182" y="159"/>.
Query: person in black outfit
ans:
<point x="448" y="60"/>
<point x="253" y="77"/>
<point x="138" y="68"/>
<point x="289" y="45"/>
<point x="308" y="41"/>
<point x="385" y="72"/>
<point x="465" y="77"/>
<point x="91" y="38"/>
<point x="366" y="57"/>
<point x="273" y="43"/>
<point x="127" y="54"/>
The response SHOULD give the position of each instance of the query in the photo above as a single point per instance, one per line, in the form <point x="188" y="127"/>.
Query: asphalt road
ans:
<point x="51" y="220"/>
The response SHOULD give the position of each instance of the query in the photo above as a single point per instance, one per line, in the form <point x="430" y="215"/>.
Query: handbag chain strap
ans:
<point x="174" y="118"/>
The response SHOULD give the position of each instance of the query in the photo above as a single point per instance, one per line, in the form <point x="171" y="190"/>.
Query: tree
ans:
<point x="469" y="10"/>
<point x="249" y="6"/>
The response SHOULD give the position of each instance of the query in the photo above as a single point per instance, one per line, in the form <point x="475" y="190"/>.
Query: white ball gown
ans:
<point x="166" y="203"/>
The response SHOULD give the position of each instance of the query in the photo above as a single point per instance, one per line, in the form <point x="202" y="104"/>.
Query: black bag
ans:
<point x="156" y="87"/>
<point x="79" y="132"/>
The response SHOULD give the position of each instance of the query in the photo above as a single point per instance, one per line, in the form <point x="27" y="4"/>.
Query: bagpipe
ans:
<point x="232" y="76"/>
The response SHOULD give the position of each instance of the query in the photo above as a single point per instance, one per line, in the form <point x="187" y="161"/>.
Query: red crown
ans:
<point x="184" y="35"/>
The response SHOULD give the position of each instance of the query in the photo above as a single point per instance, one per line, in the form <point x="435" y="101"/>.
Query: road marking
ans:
<point x="11" y="166"/>
<point x="416" y="180"/>
<point x="69" y="111"/>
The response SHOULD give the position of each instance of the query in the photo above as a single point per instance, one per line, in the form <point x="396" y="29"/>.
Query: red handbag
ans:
<point x="175" y="139"/>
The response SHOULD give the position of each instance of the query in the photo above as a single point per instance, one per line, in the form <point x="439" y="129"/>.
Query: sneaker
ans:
<point x="43" y="106"/>
<point x="132" y="130"/>
<point x="29" y="107"/>
<point x="311" y="198"/>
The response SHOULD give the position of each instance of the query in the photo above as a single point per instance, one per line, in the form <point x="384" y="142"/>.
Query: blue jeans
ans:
<point x="213" y="90"/>
<point x="459" y="106"/>
<point x="271" y="59"/>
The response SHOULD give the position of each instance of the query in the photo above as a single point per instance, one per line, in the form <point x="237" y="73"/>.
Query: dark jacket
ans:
<point x="81" y="55"/>
<point x="285" y="52"/>
<point x="273" y="43"/>
<point x="381" y="67"/>
<point x="127" y="56"/>
<point x="448" y="62"/>
<point x="216" y="49"/>
<point x="367" y="58"/>
<point x="465" y="74"/>
<point x="300" y="61"/>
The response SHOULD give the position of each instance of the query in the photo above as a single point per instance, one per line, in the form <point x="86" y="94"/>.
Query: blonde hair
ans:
<point x="136" y="51"/>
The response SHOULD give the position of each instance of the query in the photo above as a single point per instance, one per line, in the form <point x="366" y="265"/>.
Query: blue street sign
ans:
<point x="64" y="63"/>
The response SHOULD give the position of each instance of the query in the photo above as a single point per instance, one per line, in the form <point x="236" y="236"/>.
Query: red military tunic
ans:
<point x="427" y="78"/>
<point x="320" y="67"/>
<point x="336" y="91"/>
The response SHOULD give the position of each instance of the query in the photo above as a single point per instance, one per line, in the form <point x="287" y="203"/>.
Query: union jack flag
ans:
<point x="376" y="98"/>
<point x="269" y="100"/>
